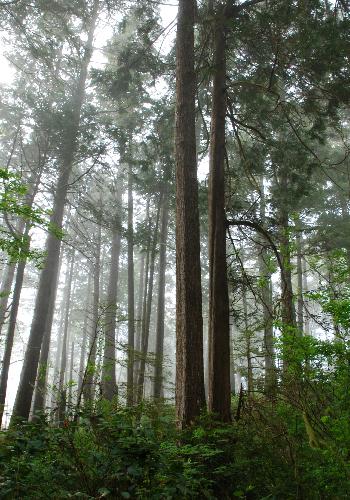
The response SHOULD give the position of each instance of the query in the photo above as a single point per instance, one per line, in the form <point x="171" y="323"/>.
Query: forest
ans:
<point x="175" y="249"/>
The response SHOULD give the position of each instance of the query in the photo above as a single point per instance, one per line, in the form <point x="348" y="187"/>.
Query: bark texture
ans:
<point x="219" y="397"/>
<point x="190" y="396"/>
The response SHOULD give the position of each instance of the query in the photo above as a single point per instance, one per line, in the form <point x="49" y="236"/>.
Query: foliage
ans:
<point x="137" y="452"/>
<point x="16" y="244"/>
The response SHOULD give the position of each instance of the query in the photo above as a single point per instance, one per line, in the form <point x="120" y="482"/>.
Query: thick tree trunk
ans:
<point x="131" y="292"/>
<point x="158" y="373"/>
<point x="109" y="384"/>
<point x="63" y="367"/>
<point x="219" y="394"/>
<point x="190" y="396"/>
<point x="147" y="322"/>
<point x="48" y="275"/>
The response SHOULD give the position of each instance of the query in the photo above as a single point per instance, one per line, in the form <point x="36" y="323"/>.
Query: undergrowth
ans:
<point x="137" y="453"/>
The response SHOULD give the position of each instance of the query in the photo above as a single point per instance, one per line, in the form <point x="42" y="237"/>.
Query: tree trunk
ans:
<point x="6" y="287"/>
<point x="247" y="336"/>
<point x="48" y="275"/>
<point x="142" y="299"/>
<point x="109" y="384"/>
<point x="305" y="289"/>
<point x="270" y="380"/>
<point x="138" y="329"/>
<point x="85" y="336"/>
<point x="88" y="387"/>
<point x="40" y="387"/>
<point x="190" y="396"/>
<point x="61" y="388"/>
<point x="219" y="397"/>
<point x="158" y="373"/>
<point x="147" y="321"/>
<point x="23" y="229"/>
<point x="71" y="369"/>
<point x="131" y="293"/>
<point x="300" y="304"/>
<point x="288" y="309"/>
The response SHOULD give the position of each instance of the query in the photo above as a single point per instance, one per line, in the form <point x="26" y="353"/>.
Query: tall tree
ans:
<point x="109" y="384"/>
<point x="50" y="268"/>
<point x="190" y="396"/>
<point x="158" y="372"/>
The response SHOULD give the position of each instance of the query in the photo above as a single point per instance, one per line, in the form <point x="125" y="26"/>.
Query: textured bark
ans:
<point x="109" y="384"/>
<point x="63" y="367"/>
<point x="131" y="292"/>
<point x="158" y="372"/>
<point x="190" y="396"/>
<point x="219" y="397"/>
<point x="147" y="321"/>
<point x="48" y="275"/>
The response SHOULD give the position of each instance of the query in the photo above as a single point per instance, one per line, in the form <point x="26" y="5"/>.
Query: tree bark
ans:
<point x="23" y="230"/>
<point x="40" y="387"/>
<point x="109" y="383"/>
<point x="270" y="379"/>
<point x="142" y="299"/>
<point x="131" y="292"/>
<point x="53" y="244"/>
<point x="247" y="337"/>
<point x="71" y="369"/>
<point x="63" y="367"/>
<point x="147" y="321"/>
<point x="88" y="388"/>
<point x="6" y="287"/>
<point x="158" y="373"/>
<point x="190" y="396"/>
<point x="85" y="335"/>
<point x="219" y="393"/>
<point x="300" y="304"/>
